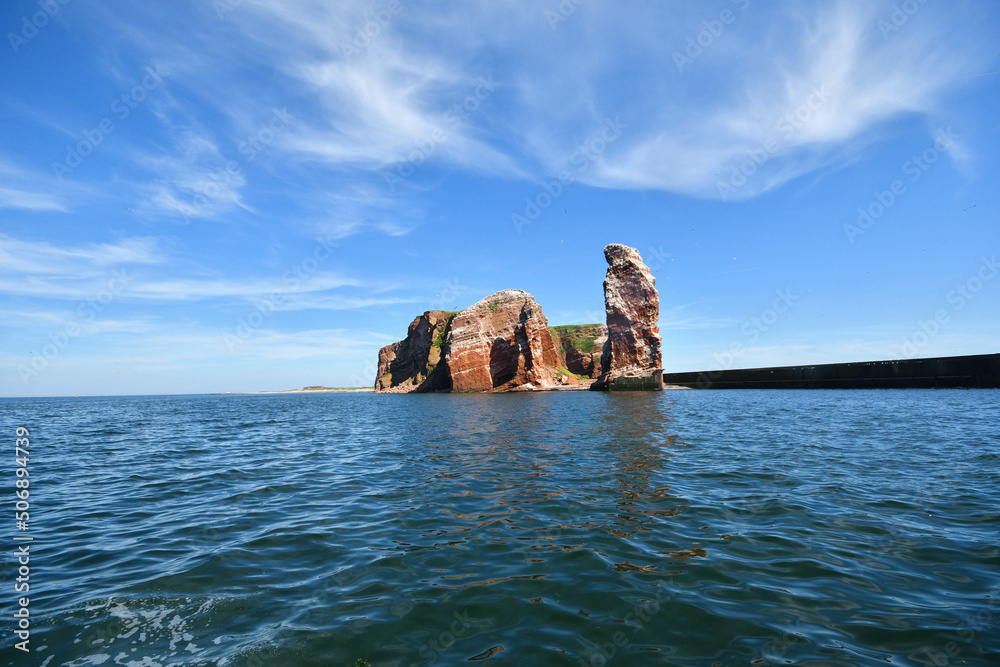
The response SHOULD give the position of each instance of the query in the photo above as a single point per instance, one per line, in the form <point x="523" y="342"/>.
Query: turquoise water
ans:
<point x="677" y="528"/>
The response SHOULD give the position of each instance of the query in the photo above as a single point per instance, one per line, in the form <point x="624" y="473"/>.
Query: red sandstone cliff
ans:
<point x="501" y="343"/>
<point x="414" y="364"/>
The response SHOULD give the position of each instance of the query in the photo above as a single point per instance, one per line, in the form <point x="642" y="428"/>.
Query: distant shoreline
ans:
<point x="306" y="390"/>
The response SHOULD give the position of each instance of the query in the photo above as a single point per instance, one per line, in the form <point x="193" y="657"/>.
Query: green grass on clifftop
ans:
<point x="442" y="336"/>
<point x="576" y="336"/>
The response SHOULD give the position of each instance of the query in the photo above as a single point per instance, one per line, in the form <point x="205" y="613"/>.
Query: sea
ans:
<point x="703" y="528"/>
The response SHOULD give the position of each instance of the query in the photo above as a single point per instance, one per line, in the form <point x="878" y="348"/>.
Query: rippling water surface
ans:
<point x="677" y="528"/>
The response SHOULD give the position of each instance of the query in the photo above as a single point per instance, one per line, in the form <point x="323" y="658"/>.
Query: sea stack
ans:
<point x="631" y="358"/>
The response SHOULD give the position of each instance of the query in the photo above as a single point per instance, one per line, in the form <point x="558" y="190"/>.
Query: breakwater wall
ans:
<point x="978" y="370"/>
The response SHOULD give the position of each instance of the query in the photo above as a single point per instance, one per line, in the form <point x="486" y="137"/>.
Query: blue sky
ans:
<point x="258" y="194"/>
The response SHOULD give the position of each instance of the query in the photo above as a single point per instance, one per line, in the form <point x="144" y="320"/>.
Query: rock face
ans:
<point x="414" y="364"/>
<point x="631" y="356"/>
<point x="580" y="347"/>
<point x="502" y="343"/>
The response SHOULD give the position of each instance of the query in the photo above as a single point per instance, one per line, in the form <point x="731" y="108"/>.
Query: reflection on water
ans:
<point x="683" y="528"/>
<point x="487" y="484"/>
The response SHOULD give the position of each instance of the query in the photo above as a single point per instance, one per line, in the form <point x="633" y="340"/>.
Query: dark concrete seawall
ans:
<point x="979" y="370"/>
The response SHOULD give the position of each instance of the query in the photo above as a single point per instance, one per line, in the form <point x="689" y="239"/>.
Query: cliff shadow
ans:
<point x="504" y="357"/>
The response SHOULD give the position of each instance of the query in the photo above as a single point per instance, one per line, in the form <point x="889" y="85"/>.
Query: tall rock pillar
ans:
<point x="631" y="357"/>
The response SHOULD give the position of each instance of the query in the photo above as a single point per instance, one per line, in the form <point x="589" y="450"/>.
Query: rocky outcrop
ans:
<point x="631" y="356"/>
<point x="579" y="347"/>
<point x="414" y="364"/>
<point x="502" y="343"/>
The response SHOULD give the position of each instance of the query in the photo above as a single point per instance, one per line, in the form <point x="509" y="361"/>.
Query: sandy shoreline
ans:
<point x="324" y="390"/>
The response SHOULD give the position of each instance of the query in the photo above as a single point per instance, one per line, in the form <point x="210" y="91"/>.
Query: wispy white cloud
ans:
<point x="174" y="290"/>
<point x="328" y="343"/>
<point x="130" y="270"/>
<point x="31" y="201"/>
<point x="686" y="317"/>
<point x="192" y="179"/>
<point x="339" y="302"/>
<point x="202" y="344"/>
<point x="56" y="320"/>
<point x="43" y="258"/>
<point x="26" y="190"/>
<point x="392" y="102"/>
<point x="784" y="111"/>
<point x="153" y="289"/>
<point x="806" y="87"/>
